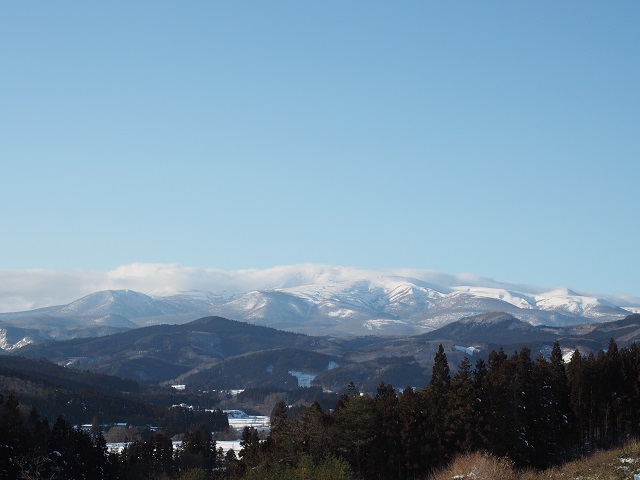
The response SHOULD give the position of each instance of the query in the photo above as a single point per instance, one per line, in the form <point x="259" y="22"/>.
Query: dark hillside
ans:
<point x="77" y="395"/>
<point x="266" y="368"/>
<point x="495" y="328"/>
<point x="625" y="331"/>
<point x="162" y="352"/>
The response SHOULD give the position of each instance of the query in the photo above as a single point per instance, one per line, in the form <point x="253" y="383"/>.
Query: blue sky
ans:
<point x="496" y="138"/>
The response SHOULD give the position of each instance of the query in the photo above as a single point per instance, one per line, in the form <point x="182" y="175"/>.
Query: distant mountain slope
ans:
<point x="625" y="331"/>
<point x="316" y="300"/>
<point x="273" y="367"/>
<point x="163" y="352"/>
<point x="213" y="352"/>
<point x="495" y="328"/>
<point x="78" y="395"/>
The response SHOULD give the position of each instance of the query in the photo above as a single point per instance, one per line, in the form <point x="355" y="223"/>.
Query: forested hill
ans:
<point x="214" y="352"/>
<point x="48" y="373"/>
<point x="533" y="411"/>
<point x="78" y="395"/>
<point x="163" y="352"/>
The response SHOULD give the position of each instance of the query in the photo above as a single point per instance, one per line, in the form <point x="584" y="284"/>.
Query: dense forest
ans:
<point x="535" y="411"/>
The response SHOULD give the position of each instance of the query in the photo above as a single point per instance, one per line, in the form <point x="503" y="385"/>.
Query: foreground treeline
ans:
<point x="31" y="449"/>
<point x="535" y="412"/>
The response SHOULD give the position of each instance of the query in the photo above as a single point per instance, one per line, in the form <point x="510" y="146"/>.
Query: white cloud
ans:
<point x="22" y="290"/>
<point x="29" y="289"/>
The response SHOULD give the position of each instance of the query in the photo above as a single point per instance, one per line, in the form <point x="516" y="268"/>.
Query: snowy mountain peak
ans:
<point x="320" y="299"/>
<point x="125" y="303"/>
<point x="561" y="292"/>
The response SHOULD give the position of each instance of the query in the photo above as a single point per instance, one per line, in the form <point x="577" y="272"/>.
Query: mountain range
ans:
<point x="215" y="353"/>
<point x="315" y="300"/>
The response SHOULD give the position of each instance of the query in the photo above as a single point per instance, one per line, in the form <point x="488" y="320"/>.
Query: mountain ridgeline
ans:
<point x="316" y="300"/>
<point x="217" y="353"/>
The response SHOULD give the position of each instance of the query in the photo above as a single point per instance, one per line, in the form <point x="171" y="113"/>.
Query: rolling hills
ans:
<point x="217" y="353"/>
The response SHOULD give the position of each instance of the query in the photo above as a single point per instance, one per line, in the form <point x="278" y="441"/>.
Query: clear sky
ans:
<point x="496" y="138"/>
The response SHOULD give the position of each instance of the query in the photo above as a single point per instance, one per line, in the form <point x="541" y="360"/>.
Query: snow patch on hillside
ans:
<point x="304" y="379"/>
<point x="517" y="299"/>
<point x="468" y="350"/>
<point x="7" y="346"/>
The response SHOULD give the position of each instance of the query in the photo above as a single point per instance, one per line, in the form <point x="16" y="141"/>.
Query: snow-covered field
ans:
<point x="237" y="419"/>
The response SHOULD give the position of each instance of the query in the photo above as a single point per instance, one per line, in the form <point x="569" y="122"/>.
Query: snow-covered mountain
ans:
<point x="125" y="303"/>
<point x="396" y="304"/>
<point x="318" y="299"/>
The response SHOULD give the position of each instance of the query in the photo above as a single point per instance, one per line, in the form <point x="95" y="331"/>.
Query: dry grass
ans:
<point x="477" y="466"/>
<point x="621" y="463"/>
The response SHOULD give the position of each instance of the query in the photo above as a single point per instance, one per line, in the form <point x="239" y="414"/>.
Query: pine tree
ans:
<point x="198" y="450"/>
<point x="561" y="417"/>
<point x="436" y="398"/>
<point x="523" y="405"/>
<point x="440" y="373"/>
<point x="355" y="427"/>
<point x="387" y="449"/>
<point x="315" y="440"/>
<point x="413" y="431"/>
<point x="461" y="412"/>
<point x="250" y="451"/>
<point x="481" y="407"/>
<point x="612" y="375"/>
<point x="497" y="404"/>
<point x="352" y="390"/>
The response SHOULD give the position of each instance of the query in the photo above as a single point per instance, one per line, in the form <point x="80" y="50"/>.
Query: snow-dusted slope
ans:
<point x="319" y="299"/>
<point x="360" y="301"/>
<point x="565" y="300"/>
<point x="125" y="303"/>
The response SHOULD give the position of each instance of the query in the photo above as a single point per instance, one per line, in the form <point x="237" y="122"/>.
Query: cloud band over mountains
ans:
<point x="22" y="290"/>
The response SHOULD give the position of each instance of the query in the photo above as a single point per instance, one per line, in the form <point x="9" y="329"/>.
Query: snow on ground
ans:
<point x="237" y="419"/>
<point x="468" y="350"/>
<point x="516" y="299"/>
<point x="304" y="379"/>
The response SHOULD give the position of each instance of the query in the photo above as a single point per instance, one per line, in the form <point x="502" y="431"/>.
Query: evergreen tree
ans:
<point x="436" y="401"/>
<point x="440" y="373"/>
<point x="355" y="428"/>
<point x="352" y="390"/>
<point x="315" y="442"/>
<point x="412" y="432"/>
<point x="524" y="406"/>
<point x="543" y="428"/>
<point x="73" y="454"/>
<point x="387" y="449"/>
<point x="285" y="439"/>
<point x="481" y="407"/>
<point x="560" y="416"/>
<point x="498" y="396"/>
<point x="578" y="401"/>
<point x="198" y="451"/>
<point x="630" y="390"/>
<point x="250" y="451"/>
<point x="461" y="414"/>
<point x="613" y="378"/>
